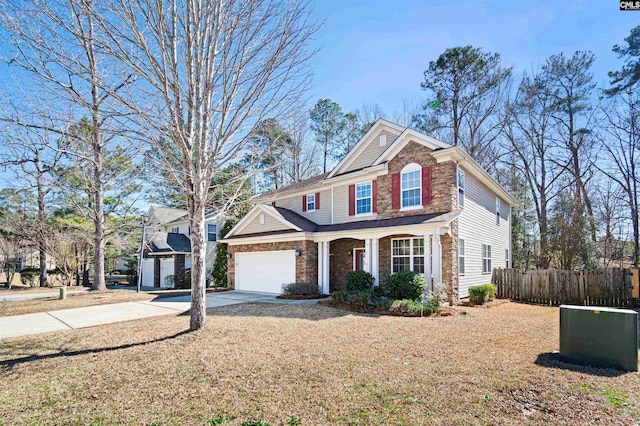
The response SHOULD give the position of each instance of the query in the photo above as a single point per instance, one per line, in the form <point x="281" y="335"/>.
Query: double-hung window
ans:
<point x="407" y="254"/>
<point x="461" y="187"/>
<point x="486" y="259"/>
<point x="311" y="202"/>
<point x="175" y="230"/>
<point x="212" y="232"/>
<point x="363" y="198"/>
<point x="498" y="205"/>
<point x="461" y="256"/>
<point x="411" y="185"/>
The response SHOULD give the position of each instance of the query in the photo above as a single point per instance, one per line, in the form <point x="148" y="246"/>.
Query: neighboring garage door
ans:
<point x="265" y="271"/>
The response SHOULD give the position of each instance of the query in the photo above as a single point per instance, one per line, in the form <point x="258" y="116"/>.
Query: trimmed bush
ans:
<point x="30" y="276"/>
<point x="405" y="285"/>
<point x="358" y="281"/>
<point x="359" y="298"/>
<point x="299" y="289"/>
<point x="412" y="307"/>
<point x="480" y="294"/>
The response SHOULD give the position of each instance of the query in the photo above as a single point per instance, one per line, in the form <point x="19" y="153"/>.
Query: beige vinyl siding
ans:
<point x="372" y="152"/>
<point x="270" y="224"/>
<point x="477" y="226"/>
<point x="321" y="216"/>
<point x="341" y="206"/>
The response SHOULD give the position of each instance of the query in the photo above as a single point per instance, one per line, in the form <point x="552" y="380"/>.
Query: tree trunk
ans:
<point x="198" y="268"/>
<point x="41" y="243"/>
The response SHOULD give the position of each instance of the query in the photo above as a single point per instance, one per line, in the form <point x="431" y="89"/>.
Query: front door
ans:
<point x="358" y="259"/>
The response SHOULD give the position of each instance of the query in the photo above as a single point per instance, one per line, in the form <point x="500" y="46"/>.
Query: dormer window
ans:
<point x="311" y="202"/>
<point x="411" y="186"/>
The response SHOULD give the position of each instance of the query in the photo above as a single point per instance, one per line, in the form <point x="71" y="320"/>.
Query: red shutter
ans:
<point x="352" y="200"/>
<point x="374" y="196"/>
<point x="273" y="203"/>
<point x="304" y="203"/>
<point x="395" y="191"/>
<point x="317" y="201"/>
<point x="426" y="186"/>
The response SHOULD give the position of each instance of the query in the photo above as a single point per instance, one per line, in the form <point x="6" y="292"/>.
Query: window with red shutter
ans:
<point x="426" y="185"/>
<point x="352" y="200"/>
<point x="395" y="191"/>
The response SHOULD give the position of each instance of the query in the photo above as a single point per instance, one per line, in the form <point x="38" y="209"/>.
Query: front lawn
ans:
<point x="74" y="300"/>
<point x="324" y="366"/>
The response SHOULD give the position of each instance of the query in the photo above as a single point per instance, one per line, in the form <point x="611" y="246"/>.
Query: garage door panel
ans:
<point x="265" y="271"/>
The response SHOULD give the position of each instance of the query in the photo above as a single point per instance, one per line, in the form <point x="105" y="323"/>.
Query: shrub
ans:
<point x="299" y="289"/>
<point x="358" y="281"/>
<point x="187" y="279"/>
<point x="405" y="285"/>
<point x="479" y="294"/>
<point x="412" y="307"/>
<point x="359" y="298"/>
<point x="30" y="276"/>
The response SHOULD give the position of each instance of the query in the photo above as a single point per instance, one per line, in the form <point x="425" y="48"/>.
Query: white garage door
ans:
<point x="265" y="271"/>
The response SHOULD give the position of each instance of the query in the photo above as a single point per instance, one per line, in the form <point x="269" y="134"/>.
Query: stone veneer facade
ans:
<point x="306" y="263"/>
<point x="443" y="182"/>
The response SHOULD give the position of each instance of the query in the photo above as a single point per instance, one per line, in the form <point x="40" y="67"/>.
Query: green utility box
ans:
<point x="602" y="337"/>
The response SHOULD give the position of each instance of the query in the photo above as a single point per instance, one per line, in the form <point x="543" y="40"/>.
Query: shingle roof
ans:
<point x="179" y="242"/>
<point x="294" y="186"/>
<point x="310" y="226"/>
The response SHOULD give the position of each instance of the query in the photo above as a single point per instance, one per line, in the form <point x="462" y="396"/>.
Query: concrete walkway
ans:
<point x="24" y="325"/>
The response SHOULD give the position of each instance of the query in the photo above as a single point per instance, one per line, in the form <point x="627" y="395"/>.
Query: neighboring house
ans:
<point x="31" y="259"/>
<point x="399" y="200"/>
<point x="167" y="246"/>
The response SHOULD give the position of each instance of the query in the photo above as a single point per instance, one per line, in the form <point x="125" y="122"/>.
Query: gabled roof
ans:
<point x="274" y="212"/>
<point x="362" y="144"/>
<point x="165" y="215"/>
<point x="295" y="186"/>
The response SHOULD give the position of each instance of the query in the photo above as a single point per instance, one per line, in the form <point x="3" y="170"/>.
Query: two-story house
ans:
<point x="167" y="246"/>
<point x="399" y="200"/>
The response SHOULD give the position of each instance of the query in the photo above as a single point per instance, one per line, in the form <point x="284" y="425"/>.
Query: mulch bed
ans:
<point x="495" y="302"/>
<point x="301" y="296"/>
<point x="444" y="311"/>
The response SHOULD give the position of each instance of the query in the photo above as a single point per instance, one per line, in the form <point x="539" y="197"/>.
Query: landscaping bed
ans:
<point x="443" y="311"/>
<point x="302" y="296"/>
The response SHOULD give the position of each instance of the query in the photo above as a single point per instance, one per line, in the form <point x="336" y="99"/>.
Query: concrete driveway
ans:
<point x="66" y="319"/>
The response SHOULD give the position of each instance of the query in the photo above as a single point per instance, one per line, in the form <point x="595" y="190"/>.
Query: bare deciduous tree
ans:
<point x="56" y="46"/>
<point x="207" y="73"/>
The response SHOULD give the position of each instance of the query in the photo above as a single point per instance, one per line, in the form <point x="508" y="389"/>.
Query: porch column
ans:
<point x="320" y="266"/>
<point x="437" y="258"/>
<point x="427" y="259"/>
<point x="325" y="266"/>
<point x="375" y="259"/>
<point x="367" y="255"/>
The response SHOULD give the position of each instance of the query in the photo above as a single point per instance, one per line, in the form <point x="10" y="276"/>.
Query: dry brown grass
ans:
<point x="271" y="362"/>
<point x="74" y="300"/>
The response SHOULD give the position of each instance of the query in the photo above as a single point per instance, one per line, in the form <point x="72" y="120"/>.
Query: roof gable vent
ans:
<point x="383" y="139"/>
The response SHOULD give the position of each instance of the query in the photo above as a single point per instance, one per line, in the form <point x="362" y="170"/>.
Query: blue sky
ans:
<point x="377" y="50"/>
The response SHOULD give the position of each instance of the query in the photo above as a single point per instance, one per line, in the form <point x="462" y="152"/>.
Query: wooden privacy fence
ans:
<point x="599" y="287"/>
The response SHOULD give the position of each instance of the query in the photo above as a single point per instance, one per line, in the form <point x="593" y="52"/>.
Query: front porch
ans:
<point x="428" y="252"/>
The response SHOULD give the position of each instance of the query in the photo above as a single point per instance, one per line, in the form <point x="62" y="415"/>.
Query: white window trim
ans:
<point x="314" y="202"/>
<point x="490" y="258"/>
<point x="411" y="255"/>
<point x="463" y="256"/>
<point x="412" y="167"/>
<point x="498" y="207"/>
<point x="174" y="230"/>
<point x="464" y="186"/>
<point x="355" y="207"/>
<point x="215" y="233"/>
